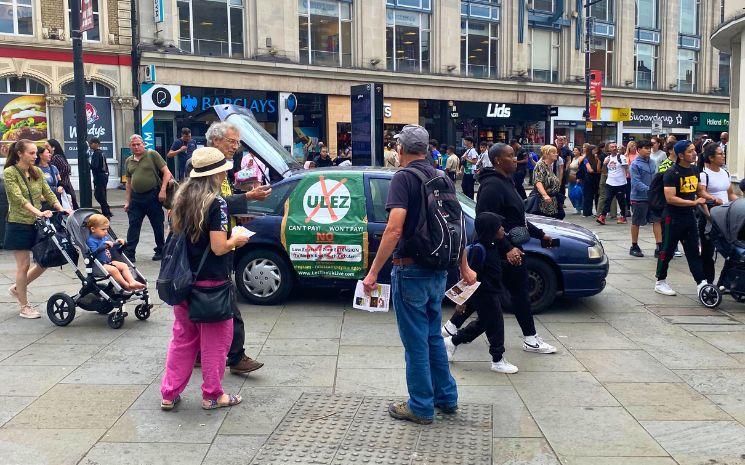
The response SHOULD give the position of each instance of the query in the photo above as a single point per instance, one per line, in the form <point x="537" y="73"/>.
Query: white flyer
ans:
<point x="462" y="292"/>
<point x="379" y="299"/>
<point x="241" y="231"/>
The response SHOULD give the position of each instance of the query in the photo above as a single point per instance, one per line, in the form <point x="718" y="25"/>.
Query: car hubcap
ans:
<point x="262" y="277"/>
<point x="536" y="286"/>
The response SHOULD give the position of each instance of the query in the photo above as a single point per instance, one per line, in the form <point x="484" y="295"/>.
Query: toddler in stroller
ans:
<point x="99" y="243"/>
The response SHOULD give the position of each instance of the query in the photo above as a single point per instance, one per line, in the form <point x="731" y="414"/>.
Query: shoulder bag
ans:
<point x="171" y="187"/>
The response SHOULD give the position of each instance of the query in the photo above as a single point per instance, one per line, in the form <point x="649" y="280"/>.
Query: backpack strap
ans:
<point x="204" y="259"/>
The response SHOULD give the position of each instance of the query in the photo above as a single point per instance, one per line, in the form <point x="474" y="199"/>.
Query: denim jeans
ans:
<point x="417" y="298"/>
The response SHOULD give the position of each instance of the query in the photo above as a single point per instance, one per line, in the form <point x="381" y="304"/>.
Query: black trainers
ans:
<point x="157" y="257"/>
<point x="401" y="411"/>
<point x="636" y="251"/>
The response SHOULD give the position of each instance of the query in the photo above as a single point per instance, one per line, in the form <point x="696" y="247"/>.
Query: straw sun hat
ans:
<point x="206" y="161"/>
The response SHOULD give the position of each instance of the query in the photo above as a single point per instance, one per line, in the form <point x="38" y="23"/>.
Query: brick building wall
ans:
<point x="50" y="13"/>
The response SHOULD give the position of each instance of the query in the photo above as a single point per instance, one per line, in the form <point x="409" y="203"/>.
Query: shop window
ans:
<point x="541" y="5"/>
<point x="325" y="32"/>
<point x="407" y="40"/>
<point x="687" y="68"/>
<point x="479" y="48"/>
<point x="15" y="85"/>
<point x="689" y="10"/>
<point x="544" y="55"/>
<point x="92" y="89"/>
<point x="646" y="14"/>
<point x="724" y="73"/>
<point x="16" y="17"/>
<point x="646" y="66"/>
<point x="602" y="10"/>
<point x="602" y="58"/>
<point x="93" y="35"/>
<point x="211" y="27"/>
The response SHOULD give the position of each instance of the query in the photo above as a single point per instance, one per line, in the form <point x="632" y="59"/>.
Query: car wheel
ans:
<point x="542" y="284"/>
<point x="264" y="277"/>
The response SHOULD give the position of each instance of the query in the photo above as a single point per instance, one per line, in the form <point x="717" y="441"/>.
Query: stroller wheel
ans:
<point x="61" y="309"/>
<point x="115" y="320"/>
<point x="142" y="312"/>
<point x="710" y="296"/>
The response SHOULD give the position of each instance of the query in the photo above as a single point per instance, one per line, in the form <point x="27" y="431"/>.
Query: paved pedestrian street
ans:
<point x="639" y="379"/>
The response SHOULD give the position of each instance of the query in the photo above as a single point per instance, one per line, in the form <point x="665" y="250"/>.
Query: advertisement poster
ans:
<point x="596" y="94"/>
<point x="324" y="230"/>
<point x="23" y="117"/>
<point x="306" y="141"/>
<point x="99" y="122"/>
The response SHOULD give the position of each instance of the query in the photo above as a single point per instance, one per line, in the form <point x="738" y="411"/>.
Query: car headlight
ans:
<point x="595" y="251"/>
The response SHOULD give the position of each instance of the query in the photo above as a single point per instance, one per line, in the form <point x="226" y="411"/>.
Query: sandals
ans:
<point x="214" y="404"/>
<point x="171" y="405"/>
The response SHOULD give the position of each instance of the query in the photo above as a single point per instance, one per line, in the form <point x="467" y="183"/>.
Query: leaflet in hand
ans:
<point x="242" y="231"/>
<point x="378" y="301"/>
<point x="461" y="292"/>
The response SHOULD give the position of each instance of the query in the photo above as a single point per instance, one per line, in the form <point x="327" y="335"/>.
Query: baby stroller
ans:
<point x="726" y="231"/>
<point x="100" y="292"/>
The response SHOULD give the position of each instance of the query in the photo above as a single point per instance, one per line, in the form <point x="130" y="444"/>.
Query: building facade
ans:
<point x="36" y="69"/>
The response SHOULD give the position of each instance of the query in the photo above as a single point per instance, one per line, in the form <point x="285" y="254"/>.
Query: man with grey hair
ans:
<point x="147" y="179"/>
<point x="419" y="314"/>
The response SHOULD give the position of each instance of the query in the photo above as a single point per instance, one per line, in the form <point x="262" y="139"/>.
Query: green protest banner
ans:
<point x="324" y="230"/>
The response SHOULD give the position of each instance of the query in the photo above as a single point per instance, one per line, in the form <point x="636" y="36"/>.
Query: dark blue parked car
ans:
<point x="266" y="275"/>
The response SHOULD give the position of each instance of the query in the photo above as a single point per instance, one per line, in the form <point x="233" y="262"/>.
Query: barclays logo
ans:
<point x="189" y="103"/>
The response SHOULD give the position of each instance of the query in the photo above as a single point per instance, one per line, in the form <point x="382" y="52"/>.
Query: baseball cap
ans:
<point x="681" y="146"/>
<point x="413" y="138"/>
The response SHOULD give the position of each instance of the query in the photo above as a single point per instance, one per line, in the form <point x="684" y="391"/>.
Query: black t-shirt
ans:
<point x="323" y="162"/>
<point x="522" y="154"/>
<point x="215" y="267"/>
<point x="685" y="181"/>
<point x="406" y="192"/>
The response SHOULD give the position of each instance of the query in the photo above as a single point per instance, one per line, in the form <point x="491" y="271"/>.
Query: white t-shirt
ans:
<point x="616" y="172"/>
<point x="717" y="183"/>
<point x="658" y="157"/>
<point x="484" y="161"/>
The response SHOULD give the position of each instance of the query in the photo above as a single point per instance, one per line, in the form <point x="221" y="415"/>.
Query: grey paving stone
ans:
<point x="182" y="425"/>
<point x="717" y="319"/>
<point x="290" y="347"/>
<point x="11" y="406"/>
<point x="298" y="370"/>
<point x="125" y="371"/>
<point x="352" y="315"/>
<point x="303" y="327"/>
<point x="712" y="328"/>
<point x="697" y="442"/>
<point x="192" y="395"/>
<point x="78" y="406"/>
<point x="734" y="405"/>
<point x="14" y="342"/>
<point x="233" y="449"/>
<point x="368" y="381"/>
<point x="523" y="451"/>
<point x="563" y="360"/>
<point x="589" y="336"/>
<point x="665" y="401"/>
<point x="6" y="353"/>
<point x="371" y="357"/>
<point x="454" y="458"/>
<point x="439" y="441"/>
<point x="87" y="332"/>
<point x="347" y="455"/>
<point x="730" y="342"/>
<point x="30" y="380"/>
<point x="585" y="431"/>
<point x="46" y="446"/>
<point x="17" y="325"/>
<point x="476" y="351"/>
<point x="617" y="461"/>
<point x="477" y="374"/>
<point x="262" y="410"/>
<point x="567" y="389"/>
<point x="510" y="417"/>
<point x="109" y="453"/>
<point x="382" y="435"/>
<point x="52" y="354"/>
<point x="624" y="365"/>
<point x="356" y="334"/>
<point x="715" y="381"/>
<point x="302" y="452"/>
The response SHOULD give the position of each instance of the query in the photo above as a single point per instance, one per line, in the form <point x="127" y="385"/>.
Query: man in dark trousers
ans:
<point x="100" y="172"/>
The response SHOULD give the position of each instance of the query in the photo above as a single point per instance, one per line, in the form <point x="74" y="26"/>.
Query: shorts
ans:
<point x="19" y="236"/>
<point x="642" y="213"/>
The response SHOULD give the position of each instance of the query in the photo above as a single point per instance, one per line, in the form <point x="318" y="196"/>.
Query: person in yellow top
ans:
<point x="26" y="189"/>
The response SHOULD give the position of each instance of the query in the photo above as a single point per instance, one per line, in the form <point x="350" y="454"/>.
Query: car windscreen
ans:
<point x="264" y="145"/>
<point x="467" y="204"/>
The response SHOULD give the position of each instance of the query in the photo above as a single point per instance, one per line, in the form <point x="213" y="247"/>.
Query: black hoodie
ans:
<point x="489" y="273"/>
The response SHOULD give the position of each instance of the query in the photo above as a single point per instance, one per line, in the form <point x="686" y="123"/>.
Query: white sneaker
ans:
<point x="503" y="366"/>
<point x="537" y="345"/>
<point x="29" y="312"/>
<point x="678" y="253"/>
<point x="449" y="348"/>
<point x="448" y="330"/>
<point x="701" y="285"/>
<point x="661" y="287"/>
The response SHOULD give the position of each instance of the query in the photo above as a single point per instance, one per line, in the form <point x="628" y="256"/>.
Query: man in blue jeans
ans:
<point x="417" y="292"/>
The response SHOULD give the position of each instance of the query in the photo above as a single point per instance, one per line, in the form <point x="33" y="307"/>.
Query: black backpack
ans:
<point x="440" y="232"/>
<point x="175" y="278"/>
<point x="656" y="192"/>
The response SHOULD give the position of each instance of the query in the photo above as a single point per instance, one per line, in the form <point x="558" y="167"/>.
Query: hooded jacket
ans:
<point x="489" y="273"/>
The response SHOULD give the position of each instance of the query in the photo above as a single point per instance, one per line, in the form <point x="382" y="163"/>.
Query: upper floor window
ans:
<point x="646" y="66"/>
<point x="325" y="32"/>
<point x="479" y="46"/>
<point x="601" y="58"/>
<point x="407" y="39"/>
<point x="416" y="4"/>
<point x="646" y="14"/>
<point x="541" y="5"/>
<point x="689" y="17"/>
<point x="92" y="89"/>
<point x="16" y="17"/>
<point x="16" y="85"/>
<point x="687" y="70"/>
<point x="544" y="55"/>
<point x="724" y="71"/>
<point x="92" y="35"/>
<point x="602" y="10"/>
<point x="211" y="27"/>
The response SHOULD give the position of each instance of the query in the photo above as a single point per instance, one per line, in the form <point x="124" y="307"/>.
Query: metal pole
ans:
<point x="84" y="169"/>
<point x="588" y="38"/>
<point x="135" y="54"/>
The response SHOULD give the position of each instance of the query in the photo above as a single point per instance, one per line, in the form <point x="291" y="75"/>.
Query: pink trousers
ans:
<point x="212" y="340"/>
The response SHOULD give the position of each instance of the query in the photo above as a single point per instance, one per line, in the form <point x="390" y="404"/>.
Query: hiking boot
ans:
<point x="246" y="365"/>
<point x="635" y="251"/>
<point x="600" y="219"/>
<point x="503" y="366"/>
<point x="621" y="220"/>
<point x="662" y="287"/>
<point x="401" y="411"/>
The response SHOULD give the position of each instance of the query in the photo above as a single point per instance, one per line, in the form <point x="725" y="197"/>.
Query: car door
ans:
<point x="376" y="191"/>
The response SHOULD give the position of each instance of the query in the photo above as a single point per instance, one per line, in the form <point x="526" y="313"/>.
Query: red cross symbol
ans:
<point x="327" y="197"/>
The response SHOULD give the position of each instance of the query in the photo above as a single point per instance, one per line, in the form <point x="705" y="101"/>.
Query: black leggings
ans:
<point x="619" y="192"/>
<point x="707" y="250"/>
<point x="490" y="321"/>
<point x="685" y="230"/>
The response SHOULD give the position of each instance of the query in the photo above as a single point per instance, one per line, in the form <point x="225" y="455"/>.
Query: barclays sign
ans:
<point x="262" y="104"/>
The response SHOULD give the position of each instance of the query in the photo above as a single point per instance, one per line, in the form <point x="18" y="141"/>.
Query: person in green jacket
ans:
<point x="26" y="189"/>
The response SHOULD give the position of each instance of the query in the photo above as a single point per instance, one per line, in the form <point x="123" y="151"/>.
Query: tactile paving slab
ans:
<point x="325" y="429"/>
